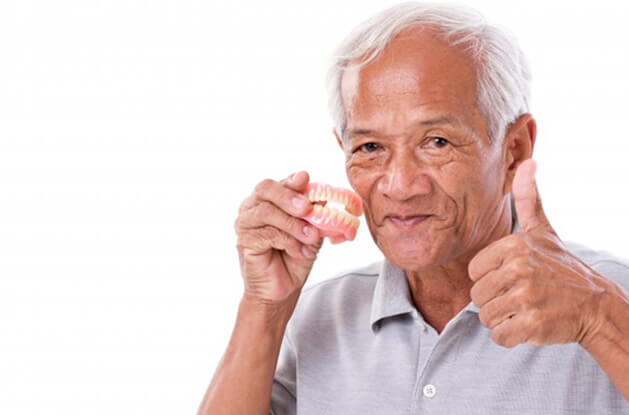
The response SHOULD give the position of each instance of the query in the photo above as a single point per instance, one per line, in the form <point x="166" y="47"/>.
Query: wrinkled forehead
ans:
<point x="418" y="71"/>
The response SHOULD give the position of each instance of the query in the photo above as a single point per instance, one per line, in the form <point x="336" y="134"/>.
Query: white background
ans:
<point x="130" y="131"/>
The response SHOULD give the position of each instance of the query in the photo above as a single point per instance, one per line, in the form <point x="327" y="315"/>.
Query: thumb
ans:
<point x="528" y="204"/>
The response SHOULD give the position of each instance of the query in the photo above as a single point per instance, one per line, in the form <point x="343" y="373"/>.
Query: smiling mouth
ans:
<point x="406" y="222"/>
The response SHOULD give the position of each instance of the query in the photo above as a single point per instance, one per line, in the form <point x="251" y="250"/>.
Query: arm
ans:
<point x="609" y="345"/>
<point x="242" y="383"/>
<point x="531" y="289"/>
<point x="276" y="250"/>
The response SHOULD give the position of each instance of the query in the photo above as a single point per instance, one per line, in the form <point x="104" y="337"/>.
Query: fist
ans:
<point x="275" y="246"/>
<point x="528" y="287"/>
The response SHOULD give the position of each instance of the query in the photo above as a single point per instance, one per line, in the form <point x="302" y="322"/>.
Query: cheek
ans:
<point x="361" y="178"/>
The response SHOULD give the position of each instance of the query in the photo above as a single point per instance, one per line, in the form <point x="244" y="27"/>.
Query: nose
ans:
<point x="404" y="178"/>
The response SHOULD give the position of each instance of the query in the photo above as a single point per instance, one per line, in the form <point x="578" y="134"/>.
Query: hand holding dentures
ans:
<point x="280" y="228"/>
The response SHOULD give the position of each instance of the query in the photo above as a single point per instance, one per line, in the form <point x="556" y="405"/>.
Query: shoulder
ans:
<point x="343" y="288"/>
<point x="342" y="300"/>
<point x="603" y="262"/>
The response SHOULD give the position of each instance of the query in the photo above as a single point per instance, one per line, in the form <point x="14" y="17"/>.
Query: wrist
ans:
<point x="268" y="315"/>
<point x="610" y="322"/>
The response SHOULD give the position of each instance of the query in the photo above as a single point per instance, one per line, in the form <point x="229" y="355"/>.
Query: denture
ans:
<point x="338" y="225"/>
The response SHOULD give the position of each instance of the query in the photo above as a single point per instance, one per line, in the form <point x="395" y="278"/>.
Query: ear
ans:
<point x="338" y="139"/>
<point x="518" y="145"/>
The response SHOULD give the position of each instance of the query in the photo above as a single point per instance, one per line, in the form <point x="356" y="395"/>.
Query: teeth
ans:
<point x="318" y="195"/>
<point x="317" y="208"/>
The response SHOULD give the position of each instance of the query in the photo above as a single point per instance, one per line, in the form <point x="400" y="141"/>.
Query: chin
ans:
<point x="413" y="253"/>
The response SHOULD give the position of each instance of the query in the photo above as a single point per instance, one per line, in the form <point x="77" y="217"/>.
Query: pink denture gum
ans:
<point x="338" y="225"/>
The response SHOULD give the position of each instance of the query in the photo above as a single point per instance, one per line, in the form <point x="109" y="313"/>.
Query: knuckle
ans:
<point x="499" y="337"/>
<point x="269" y="233"/>
<point x="483" y="316"/>
<point x="520" y="244"/>
<point x="241" y="242"/>
<point x="262" y="187"/>
<point x="521" y="270"/>
<point x="532" y="318"/>
<point x="517" y="243"/>
<point x="472" y="268"/>
<point x="244" y="205"/>
<point x="260" y="214"/>
<point x="527" y="288"/>
<point x="292" y="224"/>
<point x="474" y="293"/>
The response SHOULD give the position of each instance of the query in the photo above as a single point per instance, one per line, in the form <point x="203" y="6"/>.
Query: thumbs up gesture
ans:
<point x="528" y="287"/>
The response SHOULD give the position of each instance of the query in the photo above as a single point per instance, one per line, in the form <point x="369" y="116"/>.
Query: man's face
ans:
<point x="418" y="153"/>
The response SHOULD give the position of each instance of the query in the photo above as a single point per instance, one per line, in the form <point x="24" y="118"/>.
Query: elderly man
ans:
<point x="471" y="311"/>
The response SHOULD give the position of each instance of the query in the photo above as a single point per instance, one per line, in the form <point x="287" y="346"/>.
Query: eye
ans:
<point x="368" y="147"/>
<point x="439" y="142"/>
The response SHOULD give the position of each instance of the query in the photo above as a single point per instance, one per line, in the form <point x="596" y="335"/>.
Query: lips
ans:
<point x="405" y="221"/>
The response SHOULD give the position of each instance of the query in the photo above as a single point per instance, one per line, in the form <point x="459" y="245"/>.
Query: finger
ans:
<point x="297" y="181"/>
<point x="512" y="331"/>
<point x="528" y="204"/>
<point x="290" y="201"/>
<point x="498" y="310"/>
<point x="266" y="213"/>
<point x="500" y="281"/>
<point x="261" y="240"/>
<point x="496" y="254"/>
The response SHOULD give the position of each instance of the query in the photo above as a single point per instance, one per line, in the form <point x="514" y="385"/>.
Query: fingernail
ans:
<point x="307" y="253"/>
<point x="299" y="202"/>
<point x="308" y="231"/>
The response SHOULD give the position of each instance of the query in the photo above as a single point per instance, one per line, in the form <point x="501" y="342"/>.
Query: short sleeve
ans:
<point x="284" y="391"/>
<point x="615" y="270"/>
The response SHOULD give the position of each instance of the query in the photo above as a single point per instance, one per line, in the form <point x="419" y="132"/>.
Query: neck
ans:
<point x="442" y="291"/>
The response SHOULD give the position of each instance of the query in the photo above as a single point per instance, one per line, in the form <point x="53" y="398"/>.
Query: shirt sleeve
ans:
<point x="284" y="391"/>
<point x="615" y="270"/>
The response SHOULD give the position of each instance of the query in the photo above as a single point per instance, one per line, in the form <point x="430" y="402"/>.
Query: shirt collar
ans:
<point x="392" y="295"/>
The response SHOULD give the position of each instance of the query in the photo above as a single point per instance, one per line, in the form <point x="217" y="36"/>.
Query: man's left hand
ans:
<point x="528" y="287"/>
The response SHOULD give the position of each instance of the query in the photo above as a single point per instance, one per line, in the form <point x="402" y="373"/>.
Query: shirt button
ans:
<point x="430" y="391"/>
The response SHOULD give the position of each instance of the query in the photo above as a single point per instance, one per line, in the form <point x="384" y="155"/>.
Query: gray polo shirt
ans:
<point x="357" y="345"/>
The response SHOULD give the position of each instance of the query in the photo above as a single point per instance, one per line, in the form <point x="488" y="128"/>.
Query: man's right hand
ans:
<point x="276" y="248"/>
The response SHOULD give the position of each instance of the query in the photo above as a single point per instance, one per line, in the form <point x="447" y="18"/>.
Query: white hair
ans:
<point x="503" y="74"/>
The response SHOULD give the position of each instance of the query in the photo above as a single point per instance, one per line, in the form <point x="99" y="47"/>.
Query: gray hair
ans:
<point x="503" y="73"/>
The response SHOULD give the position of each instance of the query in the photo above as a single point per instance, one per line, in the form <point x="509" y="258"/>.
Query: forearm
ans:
<point x="243" y="380"/>
<point x="610" y="346"/>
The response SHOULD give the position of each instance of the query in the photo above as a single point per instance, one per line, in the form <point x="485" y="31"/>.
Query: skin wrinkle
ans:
<point x="462" y="184"/>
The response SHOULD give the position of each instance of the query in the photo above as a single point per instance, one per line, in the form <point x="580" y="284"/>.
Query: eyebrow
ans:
<point x="424" y="123"/>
